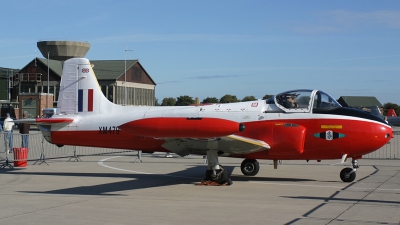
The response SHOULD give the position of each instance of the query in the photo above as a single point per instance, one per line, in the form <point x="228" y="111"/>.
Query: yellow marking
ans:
<point x="250" y="141"/>
<point x="331" y="126"/>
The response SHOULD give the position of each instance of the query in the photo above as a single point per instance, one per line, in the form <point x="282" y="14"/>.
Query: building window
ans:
<point x="110" y="94"/>
<point x="56" y="94"/>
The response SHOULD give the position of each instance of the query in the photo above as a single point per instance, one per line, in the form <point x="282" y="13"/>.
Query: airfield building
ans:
<point x="360" y="102"/>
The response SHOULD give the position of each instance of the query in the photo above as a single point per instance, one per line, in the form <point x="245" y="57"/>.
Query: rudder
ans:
<point x="391" y="112"/>
<point x="79" y="90"/>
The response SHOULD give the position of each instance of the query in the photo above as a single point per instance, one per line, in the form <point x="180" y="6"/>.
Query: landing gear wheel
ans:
<point x="221" y="177"/>
<point x="208" y="175"/>
<point x="346" y="176"/>
<point x="250" y="167"/>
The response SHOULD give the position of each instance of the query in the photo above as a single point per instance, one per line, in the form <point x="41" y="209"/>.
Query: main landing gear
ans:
<point x="250" y="167"/>
<point x="216" y="172"/>
<point x="349" y="174"/>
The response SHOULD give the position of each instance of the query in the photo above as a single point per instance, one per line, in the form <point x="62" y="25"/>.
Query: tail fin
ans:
<point x="79" y="90"/>
<point x="391" y="112"/>
<point x="376" y="111"/>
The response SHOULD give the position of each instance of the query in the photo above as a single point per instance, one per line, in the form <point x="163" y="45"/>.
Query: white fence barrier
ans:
<point x="37" y="145"/>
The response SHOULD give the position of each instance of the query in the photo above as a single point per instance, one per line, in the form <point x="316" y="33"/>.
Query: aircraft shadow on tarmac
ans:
<point x="139" y="181"/>
<point x="327" y="199"/>
<point x="333" y="198"/>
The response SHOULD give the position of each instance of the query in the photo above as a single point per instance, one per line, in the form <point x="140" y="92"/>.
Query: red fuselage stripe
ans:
<point x="90" y="100"/>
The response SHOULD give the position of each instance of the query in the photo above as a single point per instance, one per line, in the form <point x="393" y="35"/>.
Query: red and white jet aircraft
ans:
<point x="294" y="125"/>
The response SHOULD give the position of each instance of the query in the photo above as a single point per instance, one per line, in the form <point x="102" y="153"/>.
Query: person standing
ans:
<point x="24" y="131"/>
<point x="8" y="135"/>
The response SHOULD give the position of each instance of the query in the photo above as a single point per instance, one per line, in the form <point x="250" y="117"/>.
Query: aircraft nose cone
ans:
<point x="368" y="137"/>
<point x="380" y="135"/>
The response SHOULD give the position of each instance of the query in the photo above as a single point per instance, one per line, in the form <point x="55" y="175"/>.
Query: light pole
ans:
<point x="125" y="75"/>
<point x="48" y="89"/>
<point x="10" y="84"/>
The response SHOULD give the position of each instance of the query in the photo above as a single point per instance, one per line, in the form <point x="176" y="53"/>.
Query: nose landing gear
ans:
<point x="349" y="174"/>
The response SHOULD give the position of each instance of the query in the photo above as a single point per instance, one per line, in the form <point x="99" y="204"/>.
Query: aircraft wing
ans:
<point x="46" y="121"/>
<point x="231" y="144"/>
<point x="195" y="135"/>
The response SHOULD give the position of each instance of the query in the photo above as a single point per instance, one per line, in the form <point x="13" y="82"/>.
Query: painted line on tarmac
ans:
<point x="324" y="186"/>
<point x="101" y="163"/>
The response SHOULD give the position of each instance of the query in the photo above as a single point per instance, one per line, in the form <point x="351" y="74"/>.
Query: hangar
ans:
<point x="362" y="102"/>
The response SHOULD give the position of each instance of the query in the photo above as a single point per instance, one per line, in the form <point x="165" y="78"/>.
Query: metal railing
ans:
<point x="39" y="146"/>
<point x="29" y="77"/>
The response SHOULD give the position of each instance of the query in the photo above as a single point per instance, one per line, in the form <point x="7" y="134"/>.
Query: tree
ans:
<point x="228" y="99"/>
<point x="184" y="100"/>
<point x="168" y="101"/>
<point x="156" y="102"/>
<point x="249" y="98"/>
<point x="210" y="100"/>
<point x="267" y="97"/>
<point x="390" y="105"/>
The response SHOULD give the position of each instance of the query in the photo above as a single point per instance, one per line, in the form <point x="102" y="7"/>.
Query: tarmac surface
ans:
<point x="112" y="189"/>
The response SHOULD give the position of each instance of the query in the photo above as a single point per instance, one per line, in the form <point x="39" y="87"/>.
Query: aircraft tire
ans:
<point x="222" y="178"/>
<point x="208" y="175"/>
<point x="250" y="167"/>
<point x="347" y="178"/>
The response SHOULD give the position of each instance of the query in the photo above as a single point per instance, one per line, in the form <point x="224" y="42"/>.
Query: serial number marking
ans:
<point x="109" y="130"/>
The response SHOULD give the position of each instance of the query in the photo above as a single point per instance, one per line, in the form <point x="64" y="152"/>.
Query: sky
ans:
<point x="218" y="47"/>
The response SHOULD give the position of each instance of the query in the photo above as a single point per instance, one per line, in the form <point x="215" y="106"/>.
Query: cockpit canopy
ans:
<point x="304" y="101"/>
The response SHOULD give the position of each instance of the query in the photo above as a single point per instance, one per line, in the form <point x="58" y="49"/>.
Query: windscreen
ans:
<point x="299" y="99"/>
<point x="324" y="101"/>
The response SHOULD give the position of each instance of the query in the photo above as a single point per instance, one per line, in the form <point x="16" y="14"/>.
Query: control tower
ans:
<point x="63" y="50"/>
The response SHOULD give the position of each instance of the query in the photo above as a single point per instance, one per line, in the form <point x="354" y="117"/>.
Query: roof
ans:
<point x="104" y="69"/>
<point x="54" y="65"/>
<point x="359" y="101"/>
<point x="111" y="69"/>
<point x="5" y="72"/>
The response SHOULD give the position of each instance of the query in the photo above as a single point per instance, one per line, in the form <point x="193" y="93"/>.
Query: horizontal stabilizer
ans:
<point x="46" y="121"/>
